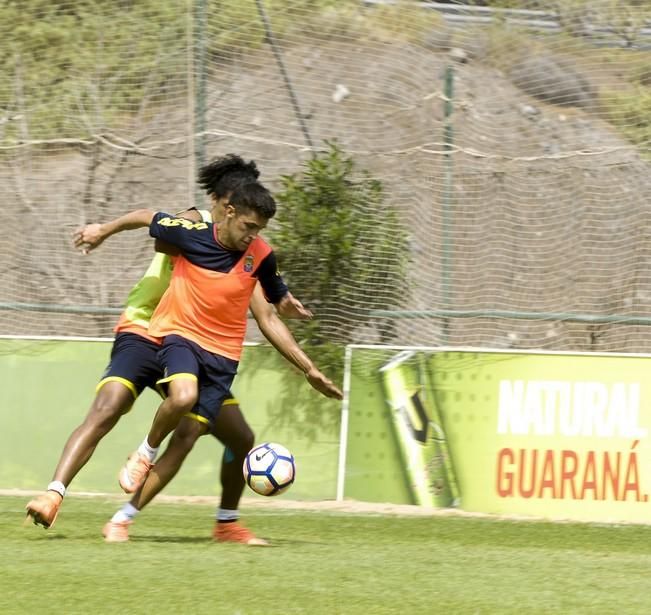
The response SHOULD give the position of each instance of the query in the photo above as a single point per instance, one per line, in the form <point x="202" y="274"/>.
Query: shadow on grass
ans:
<point x="274" y="542"/>
<point x="52" y="536"/>
<point x="173" y="539"/>
<point x="286" y="542"/>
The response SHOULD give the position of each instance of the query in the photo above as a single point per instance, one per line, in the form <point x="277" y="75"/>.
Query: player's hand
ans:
<point x="322" y="384"/>
<point x="290" y="307"/>
<point x="88" y="237"/>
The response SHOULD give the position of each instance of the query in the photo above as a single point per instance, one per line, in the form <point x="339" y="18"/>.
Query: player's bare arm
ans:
<point x="90" y="236"/>
<point x="281" y="338"/>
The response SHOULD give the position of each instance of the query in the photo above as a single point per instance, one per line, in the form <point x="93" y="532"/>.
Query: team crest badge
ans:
<point x="248" y="263"/>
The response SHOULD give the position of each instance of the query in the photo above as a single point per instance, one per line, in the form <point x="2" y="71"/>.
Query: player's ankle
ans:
<point x="225" y="515"/>
<point x="58" y="487"/>
<point x="148" y="451"/>
<point x="126" y="513"/>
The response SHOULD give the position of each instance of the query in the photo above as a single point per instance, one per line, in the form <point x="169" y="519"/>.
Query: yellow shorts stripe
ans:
<point x="196" y="417"/>
<point x="179" y="376"/>
<point x="124" y="381"/>
<point x="231" y="401"/>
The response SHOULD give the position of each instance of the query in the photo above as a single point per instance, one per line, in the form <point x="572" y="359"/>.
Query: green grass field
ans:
<point x="321" y="563"/>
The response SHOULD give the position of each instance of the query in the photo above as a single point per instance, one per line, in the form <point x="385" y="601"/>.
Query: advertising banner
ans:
<point x="562" y="436"/>
<point x="418" y="430"/>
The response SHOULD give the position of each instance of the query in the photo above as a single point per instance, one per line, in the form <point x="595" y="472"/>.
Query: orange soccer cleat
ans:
<point x="116" y="531"/>
<point x="44" y="509"/>
<point x="134" y="472"/>
<point x="232" y="531"/>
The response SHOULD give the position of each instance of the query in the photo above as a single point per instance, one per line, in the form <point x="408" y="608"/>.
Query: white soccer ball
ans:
<point x="269" y="469"/>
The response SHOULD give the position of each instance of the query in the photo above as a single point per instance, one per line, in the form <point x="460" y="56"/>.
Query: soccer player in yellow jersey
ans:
<point x="134" y="366"/>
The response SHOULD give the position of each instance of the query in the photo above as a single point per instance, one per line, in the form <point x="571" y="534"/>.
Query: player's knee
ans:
<point x="106" y="410"/>
<point x="183" y="399"/>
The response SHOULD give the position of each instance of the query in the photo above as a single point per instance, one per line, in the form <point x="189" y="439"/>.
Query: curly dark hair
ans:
<point x="253" y="196"/>
<point x="223" y="175"/>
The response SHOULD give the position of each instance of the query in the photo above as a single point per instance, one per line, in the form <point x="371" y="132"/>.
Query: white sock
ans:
<point x="148" y="451"/>
<point x="58" y="486"/>
<point x="126" y="513"/>
<point x="223" y="514"/>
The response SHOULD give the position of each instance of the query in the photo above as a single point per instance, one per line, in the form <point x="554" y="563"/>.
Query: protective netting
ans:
<point x="515" y="145"/>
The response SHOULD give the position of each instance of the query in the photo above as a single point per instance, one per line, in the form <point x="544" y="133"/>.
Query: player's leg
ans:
<point x="181" y="363"/>
<point x="133" y="366"/>
<point x="232" y="430"/>
<point x="217" y="376"/>
<point x="181" y="443"/>
<point x="112" y="400"/>
<point x="182" y="395"/>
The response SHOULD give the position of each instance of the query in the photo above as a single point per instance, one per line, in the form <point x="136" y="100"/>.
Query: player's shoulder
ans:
<point x="195" y="214"/>
<point x="189" y="214"/>
<point x="176" y="221"/>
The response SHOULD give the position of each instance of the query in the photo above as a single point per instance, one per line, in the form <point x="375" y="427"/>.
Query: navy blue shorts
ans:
<point x="134" y="363"/>
<point x="214" y="373"/>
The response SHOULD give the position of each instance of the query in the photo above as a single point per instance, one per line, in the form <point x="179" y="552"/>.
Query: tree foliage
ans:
<point x="337" y="243"/>
<point x="630" y="112"/>
<point x="333" y="224"/>
<point x="71" y="67"/>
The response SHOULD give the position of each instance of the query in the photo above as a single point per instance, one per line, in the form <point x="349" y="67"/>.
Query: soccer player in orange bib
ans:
<point x="202" y="315"/>
<point x="202" y="318"/>
<point x="134" y="366"/>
